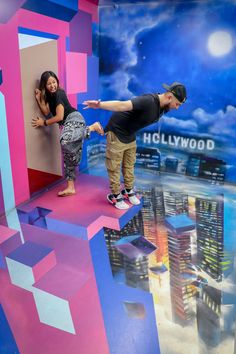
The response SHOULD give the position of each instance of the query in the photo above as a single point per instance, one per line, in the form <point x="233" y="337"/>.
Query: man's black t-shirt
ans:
<point x="59" y="97"/>
<point x="146" y="110"/>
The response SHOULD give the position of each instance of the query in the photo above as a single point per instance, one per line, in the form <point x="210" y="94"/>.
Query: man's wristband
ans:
<point x="45" y="122"/>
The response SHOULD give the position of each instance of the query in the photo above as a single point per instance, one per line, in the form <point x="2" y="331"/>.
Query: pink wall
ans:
<point x="11" y="86"/>
<point x="11" y="89"/>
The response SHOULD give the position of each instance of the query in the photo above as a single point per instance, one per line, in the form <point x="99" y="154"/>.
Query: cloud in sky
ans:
<point x="118" y="82"/>
<point x="221" y="125"/>
<point x="126" y="26"/>
<point x="179" y="124"/>
<point x="141" y="19"/>
<point x="127" y="23"/>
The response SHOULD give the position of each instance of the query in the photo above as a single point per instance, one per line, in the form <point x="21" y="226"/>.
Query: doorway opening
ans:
<point x="38" y="53"/>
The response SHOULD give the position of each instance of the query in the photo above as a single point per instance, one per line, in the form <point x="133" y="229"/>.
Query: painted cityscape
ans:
<point x="185" y="257"/>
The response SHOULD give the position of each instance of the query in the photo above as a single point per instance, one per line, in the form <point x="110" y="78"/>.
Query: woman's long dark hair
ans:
<point x="43" y="82"/>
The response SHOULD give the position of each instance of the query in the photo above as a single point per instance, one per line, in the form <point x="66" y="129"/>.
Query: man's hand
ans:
<point x="95" y="104"/>
<point x="37" y="122"/>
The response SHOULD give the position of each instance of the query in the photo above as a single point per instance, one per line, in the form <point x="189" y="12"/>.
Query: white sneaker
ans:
<point x="118" y="201"/>
<point x="130" y="196"/>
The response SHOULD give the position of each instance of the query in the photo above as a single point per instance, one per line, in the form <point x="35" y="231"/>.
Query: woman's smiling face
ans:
<point x="52" y="84"/>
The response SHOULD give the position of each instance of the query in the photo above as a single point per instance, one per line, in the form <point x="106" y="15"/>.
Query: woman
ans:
<point x="56" y="108"/>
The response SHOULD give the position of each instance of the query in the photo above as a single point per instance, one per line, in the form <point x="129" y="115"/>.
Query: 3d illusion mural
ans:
<point x="78" y="276"/>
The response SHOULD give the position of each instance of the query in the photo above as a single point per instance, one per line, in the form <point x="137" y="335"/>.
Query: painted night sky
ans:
<point x="142" y="47"/>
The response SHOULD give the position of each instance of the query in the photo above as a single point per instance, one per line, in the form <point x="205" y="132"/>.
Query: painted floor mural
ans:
<point x="192" y="273"/>
<point x="157" y="278"/>
<point x="57" y="288"/>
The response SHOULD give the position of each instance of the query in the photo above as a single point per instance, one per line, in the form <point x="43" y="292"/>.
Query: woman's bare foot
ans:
<point x="66" y="192"/>
<point x="70" y="190"/>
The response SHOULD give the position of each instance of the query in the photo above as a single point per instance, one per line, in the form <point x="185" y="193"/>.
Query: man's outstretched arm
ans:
<point x="115" y="106"/>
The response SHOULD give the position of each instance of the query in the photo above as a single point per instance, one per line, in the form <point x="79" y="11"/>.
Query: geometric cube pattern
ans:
<point x="28" y="263"/>
<point x="60" y="9"/>
<point x="133" y="308"/>
<point x="33" y="267"/>
<point x="65" y="279"/>
<point x="81" y="41"/>
<point x="9" y="240"/>
<point x="35" y="216"/>
<point x="180" y="223"/>
<point x="76" y="72"/>
<point x="92" y="81"/>
<point x="135" y="246"/>
<point x="90" y="6"/>
<point x="7" y="197"/>
<point x="53" y="311"/>
<point x="9" y="8"/>
<point x="54" y="300"/>
<point x="83" y="222"/>
<point x="7" y="339"/>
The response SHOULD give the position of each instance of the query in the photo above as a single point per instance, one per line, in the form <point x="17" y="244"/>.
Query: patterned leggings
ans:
<point x="71" y="140"/>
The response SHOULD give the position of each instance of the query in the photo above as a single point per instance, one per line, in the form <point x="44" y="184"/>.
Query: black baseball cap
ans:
<point x="178" y="90"/>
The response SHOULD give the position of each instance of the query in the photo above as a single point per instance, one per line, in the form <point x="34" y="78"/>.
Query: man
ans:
<point x="129" y="117"/>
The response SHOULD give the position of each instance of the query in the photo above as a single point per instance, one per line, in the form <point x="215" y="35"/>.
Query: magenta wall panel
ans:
<point x="60" y="9"/>
<point x="92" y="81"/>
<point x="9" y="240"/>
<point x="11" y="87"/>
<point x="8" y="8"/>
<point x="76" y="72"/>
<point x="90" y="7"/>
<point x="72" y="70"/>
<point x="73" y="100"/>
<point x="46" y="24"/>
<point x="81" y="33"/>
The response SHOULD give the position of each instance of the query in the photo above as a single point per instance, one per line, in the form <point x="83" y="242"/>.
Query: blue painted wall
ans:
<point x="190" y="42"/>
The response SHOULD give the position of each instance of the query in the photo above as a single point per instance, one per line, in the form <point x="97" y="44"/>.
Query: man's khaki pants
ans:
<point x="120" y="155"/>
